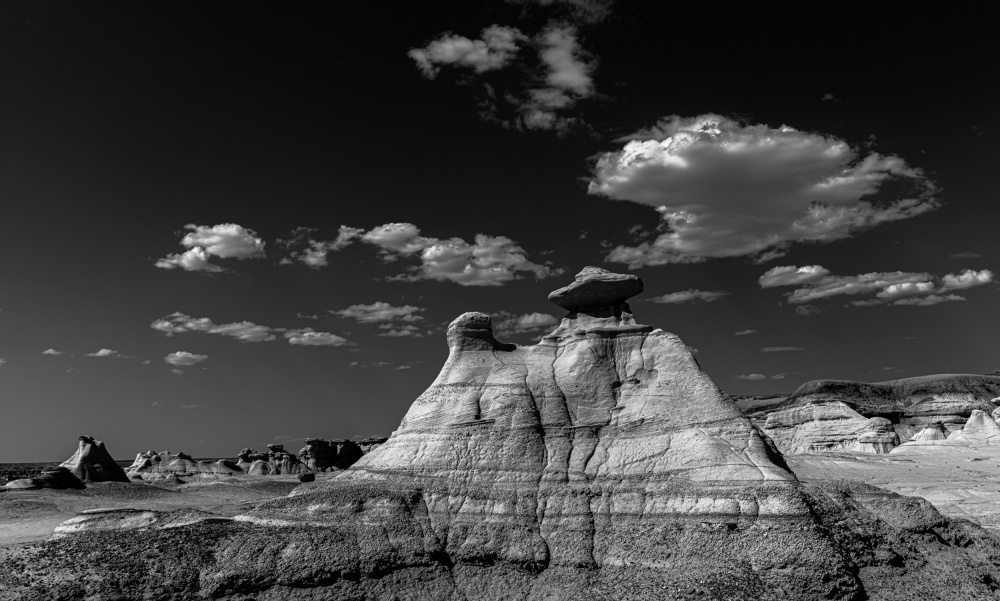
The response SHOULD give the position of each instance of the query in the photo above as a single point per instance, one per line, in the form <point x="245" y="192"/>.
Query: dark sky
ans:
<point x="551" y="130"/>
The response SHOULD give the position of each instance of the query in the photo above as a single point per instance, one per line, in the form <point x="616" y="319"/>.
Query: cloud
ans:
<point x="191" y="406"/>
<point x="245" y="331"/>
<point x="724" y="189"/>
<point x="752" y="377"/>
<point x="489" y="261"/>
<point x="496" y="46"/>
<point x="965" y="255"/>
<point x="807" y="310"/>
<point x="106" y="352"/>
<point x="177" y="372"/>
<point x="309" y="337"/>
<point x="895" y="287"/>
<point x="315" y="252"/>
<point x="792" y="276"/>
<point x="508" y="324"/>
<point x="778" y="376"/>
<point x="967" y="279"/>
<point x="226" y="241"/>
<point x="364" y="364"/>
<point x="184" y="358"/>
<point x="400" y="331"/>
<point x="2" y="361"/>
<point x="51" y="351"/>
<point x="781" y="349"/>
<point x="380" y="311"/>
<point x="745" y="332"/>
<point x="544" y="88"/>
<point x="688" y="296"/>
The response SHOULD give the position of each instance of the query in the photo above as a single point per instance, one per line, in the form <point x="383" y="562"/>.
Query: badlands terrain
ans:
<point x="600" y="463"/>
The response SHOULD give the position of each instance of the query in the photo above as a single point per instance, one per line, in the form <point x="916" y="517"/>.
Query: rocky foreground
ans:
<point x="601" y="463"/>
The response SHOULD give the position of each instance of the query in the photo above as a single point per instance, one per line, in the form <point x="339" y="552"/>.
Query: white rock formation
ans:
<point x="829" y="426"/>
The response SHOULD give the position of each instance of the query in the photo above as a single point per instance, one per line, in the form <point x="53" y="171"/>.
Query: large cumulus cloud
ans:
<point x="725" y="189"/>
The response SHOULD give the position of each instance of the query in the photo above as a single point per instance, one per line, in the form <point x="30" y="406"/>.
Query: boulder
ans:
<point x="93" y="463"/>
<point x="307" y="477"/>
<point x="596" y="288"/>
<point x="57" y="477"/>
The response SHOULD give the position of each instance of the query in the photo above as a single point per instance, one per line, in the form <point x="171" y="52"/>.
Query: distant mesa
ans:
<point x="93" y="463"/>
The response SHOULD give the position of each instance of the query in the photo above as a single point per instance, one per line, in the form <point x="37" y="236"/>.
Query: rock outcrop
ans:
<point x="322" y="455"/>
<point x="57" y="477"/>
<point x="275" y="462"/>
<point x="153" y="466"/>
<point x="910" y="403"/>
<point x="829" y="426"/>
<point x="931" y="433"/>
<point x="599" y="464"/>
<point x="93" y="463"/>
<point x="367" y="445"/>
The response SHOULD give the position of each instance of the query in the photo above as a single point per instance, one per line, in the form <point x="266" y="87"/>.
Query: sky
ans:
<point x="233" y="224"/>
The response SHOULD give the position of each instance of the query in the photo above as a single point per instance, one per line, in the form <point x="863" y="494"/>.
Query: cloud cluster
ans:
<point x="759" y="377"/>
<point x="225" y="241"/>
<point x="245" y="331"/>
<point x="895" y="287"/>
<point x="508" y="324"/>
<point x="745" y="333"/>
<point x="687" y="296"/>
<point x="489" y="261"/>
<point x="724" y="189"/>
<point x="546" y="86"/>
<point x="184" y="358"/>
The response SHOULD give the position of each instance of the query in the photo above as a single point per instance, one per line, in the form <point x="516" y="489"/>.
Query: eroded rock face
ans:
<point x="165" y="465"/>
<point x="932" y="432"/>
<point x="275" y="462"/>
<point x="330" y="455"/>
<point x="818" y="427"/>
<point x="93" y="463"/>
<point x="59" y="478"/>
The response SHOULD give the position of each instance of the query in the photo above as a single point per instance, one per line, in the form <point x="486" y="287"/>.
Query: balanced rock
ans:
<point x="594" y="288"/>
<point x="93" y="463"/>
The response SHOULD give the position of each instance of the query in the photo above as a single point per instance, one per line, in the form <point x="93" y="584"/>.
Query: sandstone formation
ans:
<point x="93" y="463"/>
<point x="829" y="426"/>
<point x="910" y="403"/>
<point x="54" y="477"/>
<point x="275" y="462"/>
<point x="329" y="455"/>
<point x="153" y="466"/>
<point x="598" y="464"/>
<point x="931" y="432"/>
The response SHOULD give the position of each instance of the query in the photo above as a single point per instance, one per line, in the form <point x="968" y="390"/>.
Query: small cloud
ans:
<point x="888" y="368"/>
<point x="308" y="337"/>
<point x="807" y="310"/>
<point x="177" y="372"/>
<point x="966" y="279"/>
<point x="3" y="362"/>
<point x="364" y="364"/>
<point x="226" y="241"/>
<point x="106" y="352"/>
<point x="51" y="351"/>
<point x="184" y="358"/>
<point x="158" y="403"/>
<point x="828" y="97"/>
<point x="191" y="406"/>
<point x="792" y="276"/>
<point x="752" y="377"/>
<point x="379" y="312"/>
<point x="688" y="296"/>
<point x="399" y="367"/>
<point x="778" y="376"/>
<point x="745" y="333"/>
<point x="968" y="254"/>
<point x="927" y="301"/>
<point x="400" y="331"/>
<point x="781" y="349"/>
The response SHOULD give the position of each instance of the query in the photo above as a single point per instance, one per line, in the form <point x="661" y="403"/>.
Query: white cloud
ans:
<point x="968" y="254"/>
<point x="895" y="287"/>
<point x="792" y="276"/>
<point x="51" y="351"/>
<point x="966" y="279"/>
<point x="688" y="296"/>
<point x="400" y="331"/>
<point x="316" y="251"/>
<point x="780" y="349"/>
<point x="752" y="377"/>
<point x="106" y="352"/>
<point x="568" y="80"/>
<point x="489" y="261"/>
<point x="226" y="241"/>
<point x="745" y="333"/>
<point x="380" y="311"/>
<point x="508" y="324"/>
<point x="495" y="48"/>
<point x="184" y="358"/>
<point x="778" y="376"/>
<point x="2" y="361"/>
<point x="246" y="331"/>
<point x="724" y="189"/>
<point x="309" y="337"/>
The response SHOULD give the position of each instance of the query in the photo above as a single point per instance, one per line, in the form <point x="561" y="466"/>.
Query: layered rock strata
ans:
<point x="57" y="477"/>
<point x="153" y="466"/>
<point x="93" y="463"/>
<point x="829" y="426"/>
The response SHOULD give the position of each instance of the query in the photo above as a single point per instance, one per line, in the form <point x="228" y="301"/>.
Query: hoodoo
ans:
<point x="93" y="463"/>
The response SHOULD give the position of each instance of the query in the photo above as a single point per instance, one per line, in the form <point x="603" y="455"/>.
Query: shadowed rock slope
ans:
<point x="601" y="463"/>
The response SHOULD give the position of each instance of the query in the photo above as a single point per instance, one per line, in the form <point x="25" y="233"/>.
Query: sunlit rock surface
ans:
<point x="829" y="426"/>
<point x="59" y="478"/>
<point x="153" y="466"/>
<point x="93" y="463"/>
